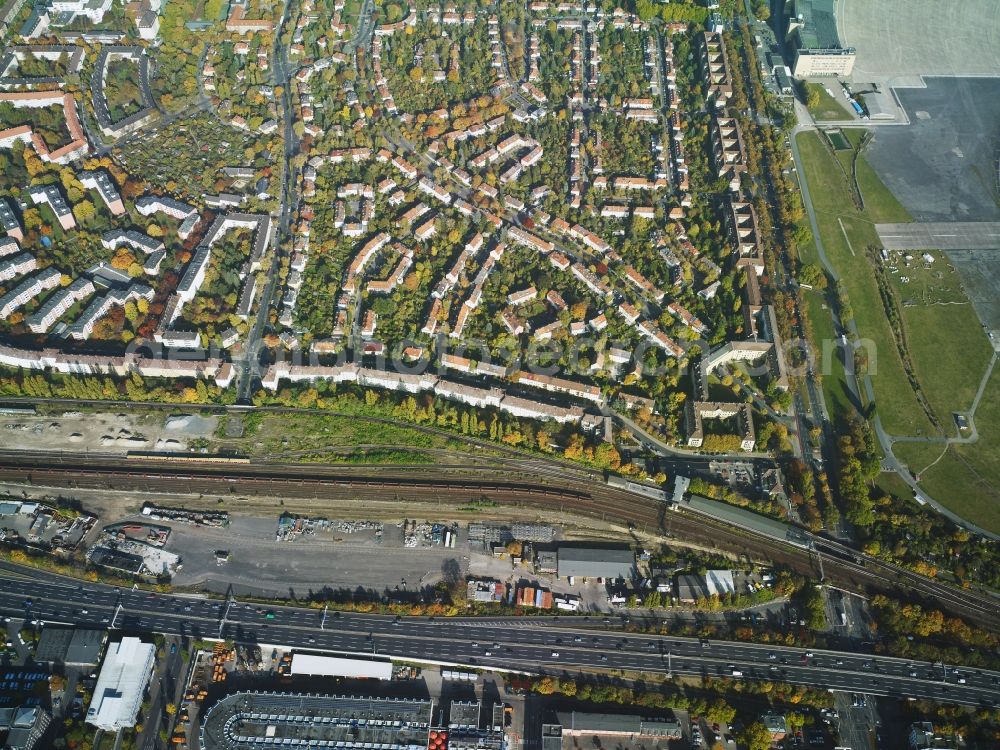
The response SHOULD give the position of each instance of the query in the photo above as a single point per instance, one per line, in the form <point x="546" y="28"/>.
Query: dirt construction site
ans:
<point x="106" y="432"/>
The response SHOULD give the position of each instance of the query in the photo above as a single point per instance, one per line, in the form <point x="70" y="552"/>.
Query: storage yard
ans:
<point x="106" y="432"/>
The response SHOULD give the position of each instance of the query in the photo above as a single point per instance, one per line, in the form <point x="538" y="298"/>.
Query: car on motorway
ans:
<point x="173" y="649"/>
<point x="555" y="654"/>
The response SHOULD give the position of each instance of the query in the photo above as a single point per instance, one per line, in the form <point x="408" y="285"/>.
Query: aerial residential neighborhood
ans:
<point x="523" y="375"/>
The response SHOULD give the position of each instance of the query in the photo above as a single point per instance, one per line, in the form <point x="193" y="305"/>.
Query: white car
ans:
<point x="555" y="654"/>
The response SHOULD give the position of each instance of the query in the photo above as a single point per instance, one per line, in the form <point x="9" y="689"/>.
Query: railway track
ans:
<point x="525" y="484"/>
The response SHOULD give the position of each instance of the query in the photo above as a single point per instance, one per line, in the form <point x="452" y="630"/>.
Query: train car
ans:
<point x="200" y="458"/>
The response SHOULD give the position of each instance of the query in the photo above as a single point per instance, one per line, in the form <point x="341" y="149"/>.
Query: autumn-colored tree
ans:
<point x="122" y="260"/>
<point x="84" y="210"/>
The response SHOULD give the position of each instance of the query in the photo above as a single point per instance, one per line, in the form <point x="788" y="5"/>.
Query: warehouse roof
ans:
<point x="819" y="29"/>
<point x="121" y="684"/>
<point x="596" y="562"/>
<point x="334" y="666"/>
<point x="576" y="722"/>
<point x="70" y="645"/>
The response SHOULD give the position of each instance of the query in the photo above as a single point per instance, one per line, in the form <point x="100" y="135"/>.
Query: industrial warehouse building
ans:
<point x="334" y="666"/>
<point x="812" y="31"/>
<point x="617" y="728"/>
<point x="121" y="684"/>
<point x="588" y="561"/>
<point x="258" y="721"/>
<point x="266" y="720"/>
<point x="79" y="647"/>
<point x="691" y="588"/>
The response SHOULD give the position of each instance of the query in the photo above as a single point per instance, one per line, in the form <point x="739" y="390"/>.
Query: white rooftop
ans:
<point x="124" y="675"/>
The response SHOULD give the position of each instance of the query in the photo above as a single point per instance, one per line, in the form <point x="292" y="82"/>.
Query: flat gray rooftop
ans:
<point x="908" y="38"/>
<point x="940" y="235"/>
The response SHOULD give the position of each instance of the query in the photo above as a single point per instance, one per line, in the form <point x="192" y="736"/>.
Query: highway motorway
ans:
<point x="570" y="644"/>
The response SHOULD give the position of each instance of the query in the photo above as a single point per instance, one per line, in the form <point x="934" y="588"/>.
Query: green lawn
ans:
<point x="835" y="391"/>
<point x="967" y="478"/>
<point x="828" y="108"/>
<point x="950" y="353"/>
<point x="946" y="342"/>
<point x="892" y="483"/>
<point x="846" y="232"/>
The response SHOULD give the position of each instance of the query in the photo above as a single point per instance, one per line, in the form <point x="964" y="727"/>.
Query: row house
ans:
<point x="745" y="237"/>
<point x="426" y="230"/>
<point x="414" y="212"/>
<point x="523" y="297"/>
<point x="558" y="385"/>
<point x="52" y="196"/>
<point x="472" y="367"/>
<point x="362" y="259"/>
<point x="100" y="180"/>
<point x="728" y="153"/>
<point x="511" y="173"/>
<point x="529" y="240"/>
<point x="428" y="186"/>
<point x="17" y="265"/>
<point x="590" y="280"/>
<point x="643" y="284"/>
<point x="687" y="318"/>
<point x="355" y="189"/>
<point x="514" y="325"/>
<point x="715" y="68"/>
<point x="59" y="303"/>
<point x="131" y="238"/>
<point x="546" y="332"/>
<point x="559" y="261"/>
<point x="27" y="290"/>
<point x="589" y="239"/>
<point x="652" y="332"/>
<point x="433" y="318"/>
<point x="464" y="311"/>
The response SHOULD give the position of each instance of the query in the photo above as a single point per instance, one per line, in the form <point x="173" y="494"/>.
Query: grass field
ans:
<point x="846" y="233"/>
<point x="945" y="340"/>
<point x="950" y="353"/>
<point x="967" y="478"/>
<point x="828" y="108"/>
<point x="830" y="365"/>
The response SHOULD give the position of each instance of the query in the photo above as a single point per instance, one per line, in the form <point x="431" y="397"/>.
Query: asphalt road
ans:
<point x="521" y="644"/>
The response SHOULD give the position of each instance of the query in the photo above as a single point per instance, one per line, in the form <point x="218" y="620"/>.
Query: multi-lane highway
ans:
<point x="574" y="644"/>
